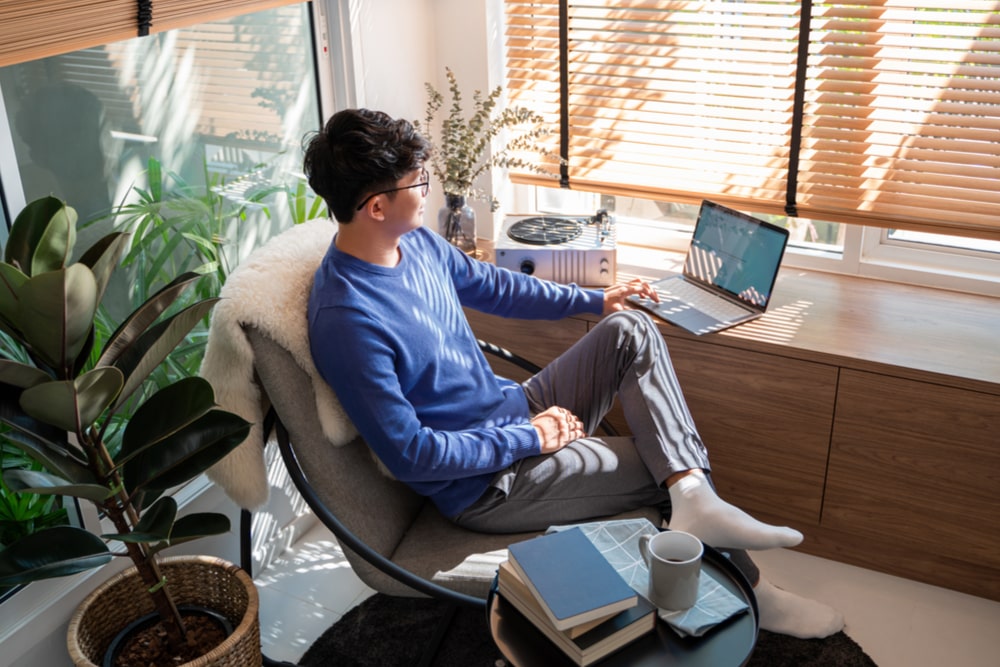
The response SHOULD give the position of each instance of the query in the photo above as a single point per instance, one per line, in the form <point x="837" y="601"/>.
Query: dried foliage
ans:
<point x="466" y="147"/>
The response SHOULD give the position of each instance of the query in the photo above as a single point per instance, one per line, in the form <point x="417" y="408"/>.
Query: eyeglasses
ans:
<point x="424" y="185"/>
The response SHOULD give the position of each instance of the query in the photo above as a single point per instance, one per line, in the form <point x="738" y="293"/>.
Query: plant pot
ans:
<point x="457" y="223"/>
<point x="202" y="581"/>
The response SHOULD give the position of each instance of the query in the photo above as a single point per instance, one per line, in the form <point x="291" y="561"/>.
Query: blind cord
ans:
<point x="798" y="107"/>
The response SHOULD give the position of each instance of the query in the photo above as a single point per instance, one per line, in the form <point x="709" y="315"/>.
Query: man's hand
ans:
<point x="557" y="427"/>
<point x="614" y="296"/>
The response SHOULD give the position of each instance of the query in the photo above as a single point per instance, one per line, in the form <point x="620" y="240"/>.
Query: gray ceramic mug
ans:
<point x="674" y="561"/>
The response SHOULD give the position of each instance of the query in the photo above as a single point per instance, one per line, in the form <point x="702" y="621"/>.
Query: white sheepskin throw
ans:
<point x="270" y="291"/>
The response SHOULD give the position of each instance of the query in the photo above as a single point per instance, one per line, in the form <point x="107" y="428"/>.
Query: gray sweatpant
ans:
<point x="624" y="356"/>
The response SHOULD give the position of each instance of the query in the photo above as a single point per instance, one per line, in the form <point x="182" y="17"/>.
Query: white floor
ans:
<point x="899" y="623"/>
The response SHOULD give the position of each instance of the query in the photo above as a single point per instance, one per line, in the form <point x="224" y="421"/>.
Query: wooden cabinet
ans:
<point x="915" y="468"/>
<point x="878" y="437"/>
<point x="766" y="423"/>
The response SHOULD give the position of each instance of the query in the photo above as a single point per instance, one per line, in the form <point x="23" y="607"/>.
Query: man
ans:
<point x="387" y="331"/>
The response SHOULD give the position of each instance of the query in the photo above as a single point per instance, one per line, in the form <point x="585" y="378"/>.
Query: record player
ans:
<point x="561" y="248"/>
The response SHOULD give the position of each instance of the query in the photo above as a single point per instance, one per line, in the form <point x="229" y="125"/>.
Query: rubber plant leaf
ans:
<point x="142" y="318"/>
<point x="186" y="453"/>
<point x="73" y="405"/>
<point x="193" y="527"/>
<point x="56" y="313"/>
<point x="43" y="483"/>
<point x="57" y="458"/>
<point x="42" y="237"/>
<point x="11" y="280"/>
<point x="102" y="258"/>
<point x="154" y="525"/>
<point x="148" y="351"/>
<point x="166" y="412"/>
<point x="21" y="375"/>
<point x="55" y="552"/>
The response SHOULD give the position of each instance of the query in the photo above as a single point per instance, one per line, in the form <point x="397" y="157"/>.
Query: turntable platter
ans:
<point x="545" y="230"/>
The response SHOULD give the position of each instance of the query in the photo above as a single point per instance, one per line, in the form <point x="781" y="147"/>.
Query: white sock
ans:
<point x="697" y="509"/>
<point x="790" y="614"/>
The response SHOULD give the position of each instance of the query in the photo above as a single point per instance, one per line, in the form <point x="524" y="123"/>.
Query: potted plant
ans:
<point x="48" y="306"/>
<point x="461" y="146"/>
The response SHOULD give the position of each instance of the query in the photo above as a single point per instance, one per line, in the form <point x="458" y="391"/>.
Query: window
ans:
<point x="865" y="112"/>
<point x="206" y="120"/>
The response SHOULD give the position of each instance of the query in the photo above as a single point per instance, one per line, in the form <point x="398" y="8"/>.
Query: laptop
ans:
<point x="728" y="275"/>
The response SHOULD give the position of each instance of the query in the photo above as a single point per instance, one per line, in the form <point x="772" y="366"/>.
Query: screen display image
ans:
<point x="738" y="257"/>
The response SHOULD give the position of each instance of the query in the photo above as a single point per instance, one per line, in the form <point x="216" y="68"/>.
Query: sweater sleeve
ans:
<point x="361" y="368"/>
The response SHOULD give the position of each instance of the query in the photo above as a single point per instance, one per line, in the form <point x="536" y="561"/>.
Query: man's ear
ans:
<point x="374" y="209"/>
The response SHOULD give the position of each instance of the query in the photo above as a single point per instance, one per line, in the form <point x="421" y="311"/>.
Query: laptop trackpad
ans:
<point x="694" y="321"/>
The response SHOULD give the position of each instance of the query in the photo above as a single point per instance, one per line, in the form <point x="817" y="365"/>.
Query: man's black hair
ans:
<point x="358" y="152"/>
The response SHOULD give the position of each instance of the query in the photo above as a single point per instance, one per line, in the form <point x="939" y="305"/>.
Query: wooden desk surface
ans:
<point x="925" y="334"/>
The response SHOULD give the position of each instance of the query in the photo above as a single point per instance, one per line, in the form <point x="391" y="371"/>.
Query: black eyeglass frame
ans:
<point x="425" y="184"/>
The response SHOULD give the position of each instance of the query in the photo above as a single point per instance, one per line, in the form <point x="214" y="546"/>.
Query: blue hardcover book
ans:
<point x="570" y="578"/>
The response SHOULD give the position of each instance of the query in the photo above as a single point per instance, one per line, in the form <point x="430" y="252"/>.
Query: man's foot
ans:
<point x="697" y="509"/>
<point x="790" y="614"/>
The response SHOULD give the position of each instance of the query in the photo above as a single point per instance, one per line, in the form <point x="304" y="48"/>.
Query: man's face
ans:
<point x="406" y="207"/>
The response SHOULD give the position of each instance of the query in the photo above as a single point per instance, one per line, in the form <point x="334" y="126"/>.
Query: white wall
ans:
<point x="399" y="45"/>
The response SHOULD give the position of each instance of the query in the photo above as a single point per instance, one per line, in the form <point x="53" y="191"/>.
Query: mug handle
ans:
<point x="644" y="547"/>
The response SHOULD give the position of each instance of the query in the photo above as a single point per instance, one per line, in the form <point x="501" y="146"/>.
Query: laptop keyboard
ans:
<point x="702" y="300"/>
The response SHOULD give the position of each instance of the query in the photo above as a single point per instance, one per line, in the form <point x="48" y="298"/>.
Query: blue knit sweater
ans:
<point x="395" y="346"/>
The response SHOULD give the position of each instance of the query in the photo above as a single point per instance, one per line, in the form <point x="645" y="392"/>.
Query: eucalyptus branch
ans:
<point x="466" y="147"/>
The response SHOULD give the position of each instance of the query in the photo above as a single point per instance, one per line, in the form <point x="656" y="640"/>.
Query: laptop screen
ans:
<point x="736" y="253"/>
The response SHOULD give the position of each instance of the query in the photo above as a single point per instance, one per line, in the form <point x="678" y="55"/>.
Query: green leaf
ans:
<point x="56" y="552"/>
<point x="186" y="453"/>
<point x="55" y="457"/>
<point x="146" y="352"/>
<point x="73" y="405"/>
<point x="142" y="317"/>
<point x="154" y="525"/>
<point x="166" y="412"/>
<point x="194" y="527"/>
<point x="42" y="237"/>
<point x="155" y="179"/>
<point x="103" y="258"/>
<point x="56" y="313"/>
<point x="43" y="483"/>
<point x="21" y="375"/>
<point x="11" y="280"/>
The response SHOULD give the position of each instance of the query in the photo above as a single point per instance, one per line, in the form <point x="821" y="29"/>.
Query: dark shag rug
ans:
<point x="386" y="631"/>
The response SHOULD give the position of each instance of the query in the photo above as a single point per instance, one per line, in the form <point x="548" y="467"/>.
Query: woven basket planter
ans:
<point x="198" y="580"/>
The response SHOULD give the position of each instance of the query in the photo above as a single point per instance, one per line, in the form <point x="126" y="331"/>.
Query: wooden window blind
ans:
<point x="880" y="112"/>
<point x="33" y="29"/>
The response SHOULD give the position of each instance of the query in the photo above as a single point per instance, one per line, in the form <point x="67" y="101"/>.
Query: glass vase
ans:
<point x="457" y="223"/>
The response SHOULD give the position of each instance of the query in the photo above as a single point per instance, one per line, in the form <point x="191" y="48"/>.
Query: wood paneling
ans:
<point x="916" y="463"/>
<point x="766" y="423"/>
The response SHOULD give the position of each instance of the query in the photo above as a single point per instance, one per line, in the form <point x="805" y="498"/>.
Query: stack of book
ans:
<point x="564" y="586"/>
